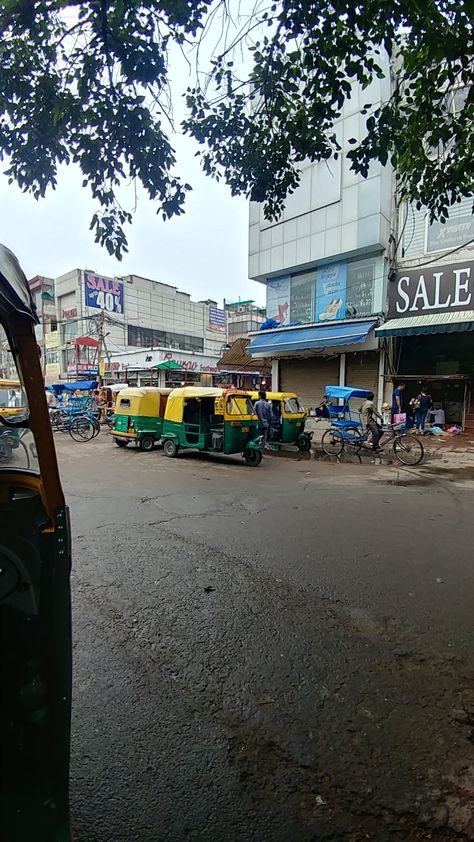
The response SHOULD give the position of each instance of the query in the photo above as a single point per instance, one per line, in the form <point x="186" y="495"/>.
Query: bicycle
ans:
<point x="406" y="447"/>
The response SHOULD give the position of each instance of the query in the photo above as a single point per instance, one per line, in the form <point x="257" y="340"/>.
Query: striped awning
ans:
<point x="428" y="323"/>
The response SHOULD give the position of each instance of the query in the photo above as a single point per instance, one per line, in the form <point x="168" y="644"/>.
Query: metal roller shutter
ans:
<point x="309" y="378"/>
<point x="362" y="371"/>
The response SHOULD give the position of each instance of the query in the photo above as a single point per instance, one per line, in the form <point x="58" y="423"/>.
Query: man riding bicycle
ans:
<point x="369" y="414"/>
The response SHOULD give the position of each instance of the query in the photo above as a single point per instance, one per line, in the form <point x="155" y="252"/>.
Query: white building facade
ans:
<point x="100" y="316"/>
<point x="325" y="265"/>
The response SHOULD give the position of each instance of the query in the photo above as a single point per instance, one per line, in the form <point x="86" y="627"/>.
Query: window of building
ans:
<point x="144" y="337"/>
<point x="69" y="331"/>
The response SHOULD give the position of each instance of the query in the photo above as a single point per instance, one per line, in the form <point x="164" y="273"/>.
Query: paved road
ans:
<point x="280" y="654"/>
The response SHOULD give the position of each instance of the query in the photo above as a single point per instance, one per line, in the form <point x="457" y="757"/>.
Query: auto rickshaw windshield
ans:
<point x="292" y="406"/>
<point x="17" y="443"/>
<point x="239" y="405"/>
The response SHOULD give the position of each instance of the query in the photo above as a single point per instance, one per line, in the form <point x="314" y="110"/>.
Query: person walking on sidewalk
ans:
<point x="422" y="404"/>
<point x="264" y="412"/>
<point x="369" y="416"/>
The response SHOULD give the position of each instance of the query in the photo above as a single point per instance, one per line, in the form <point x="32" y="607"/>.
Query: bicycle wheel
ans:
<point x="332" y="442"/>
<point x="408" y="450"/>
<point x="96" y="425"/>
<point x="81" y="429"/>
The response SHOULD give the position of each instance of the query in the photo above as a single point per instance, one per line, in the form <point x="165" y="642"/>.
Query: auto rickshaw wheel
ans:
<point x="147" y="443"/>
<point x="121" y="442"/>
<point x="170" y="448"/>
<point x="253" y="457"/>
<point x="304" y="446"/>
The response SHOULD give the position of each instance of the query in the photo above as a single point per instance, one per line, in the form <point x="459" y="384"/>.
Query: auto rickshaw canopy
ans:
<point x="141" y="400"/>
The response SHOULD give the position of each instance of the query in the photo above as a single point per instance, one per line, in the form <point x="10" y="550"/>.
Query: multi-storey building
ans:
<point x="242" y="317"/>
<point x="325" y="265"/>
<point x="100" y="317"/>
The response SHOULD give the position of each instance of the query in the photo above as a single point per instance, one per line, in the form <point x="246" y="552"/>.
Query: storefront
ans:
<point x="144" y="367"/>
<point x="430" y="329"/>
<point x="307" y="359"/>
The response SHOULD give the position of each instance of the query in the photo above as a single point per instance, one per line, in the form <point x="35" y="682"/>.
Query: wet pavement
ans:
<point x="280" y="654"/>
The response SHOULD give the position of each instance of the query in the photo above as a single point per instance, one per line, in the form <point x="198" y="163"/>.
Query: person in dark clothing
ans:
<point x="422" y="404"/>
<point x="369" y="416"/>
<point x="264" y="412"/>
<point x="397" y="399"/>
<point x="322" y="411"/>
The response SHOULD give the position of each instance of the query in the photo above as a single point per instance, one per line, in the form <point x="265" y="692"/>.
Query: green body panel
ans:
<point x="141" y="424"/>
<point x="199" y="436"/>
<point x="291" y="429"/>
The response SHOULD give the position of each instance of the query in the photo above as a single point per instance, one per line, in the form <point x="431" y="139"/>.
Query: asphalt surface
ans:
<point x="280" y="654"/>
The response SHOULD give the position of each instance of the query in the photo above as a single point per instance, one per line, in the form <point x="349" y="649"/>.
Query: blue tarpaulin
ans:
<point x="77" y="385"/>
<point x="306" y="338"/>
<point x="345" y="393"/>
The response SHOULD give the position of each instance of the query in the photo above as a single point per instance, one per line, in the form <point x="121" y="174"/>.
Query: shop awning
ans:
<point x="432" y="323"/>
<point x="307" y="338"/>
<point x="168" y="365"/>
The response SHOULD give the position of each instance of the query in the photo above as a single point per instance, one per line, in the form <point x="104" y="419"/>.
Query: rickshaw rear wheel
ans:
<point x="147" y="443"/>
<point x="170" y="448"/>
<point x="253" y="457"/>
<point x="121" y="442"/>
<point x="304" y="446"/>
<point x="332" y="443"/>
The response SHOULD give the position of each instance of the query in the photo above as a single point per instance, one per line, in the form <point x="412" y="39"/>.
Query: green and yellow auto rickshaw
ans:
<point x="215" y="420"/>
<point x="139" y="414"/>
<point x="35" y="615"/>
<point x="288" y="420"/>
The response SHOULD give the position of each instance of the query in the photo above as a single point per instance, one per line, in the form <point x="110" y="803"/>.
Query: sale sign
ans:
<point x="103" y="293"/>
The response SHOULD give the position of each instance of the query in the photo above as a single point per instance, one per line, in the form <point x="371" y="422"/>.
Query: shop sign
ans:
<point x="82" y="370"/>
<point x="431" y="289"/>
<point x="103" y="293"/>
<point x="70" y="314"/>
<point x="216" y="319"/>
<point x="278" y="300"/>
<point x="191" y="365"/>
<point x="447" y="235"/>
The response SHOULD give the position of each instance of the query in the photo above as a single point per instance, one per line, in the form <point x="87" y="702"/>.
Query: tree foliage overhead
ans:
<point x="88" y="81"/>
<point x="303" y="71"/>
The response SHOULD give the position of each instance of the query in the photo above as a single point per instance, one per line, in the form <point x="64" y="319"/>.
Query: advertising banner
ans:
<point x="330" y="292"/>
<point x="302" y="297"/>
<point x="278" y="300"/>
<point x="103" y="293"/>
<point x="217" y="319"/>
<point x="52" y="369"/>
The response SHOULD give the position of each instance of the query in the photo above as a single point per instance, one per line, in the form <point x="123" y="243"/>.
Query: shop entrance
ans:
<point x="444" y="363"/>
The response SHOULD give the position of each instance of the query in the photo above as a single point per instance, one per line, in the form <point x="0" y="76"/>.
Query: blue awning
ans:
<point x="307" y="338"/>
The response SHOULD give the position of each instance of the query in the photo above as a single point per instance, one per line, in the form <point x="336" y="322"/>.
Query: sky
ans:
<point x="203" y="252"/>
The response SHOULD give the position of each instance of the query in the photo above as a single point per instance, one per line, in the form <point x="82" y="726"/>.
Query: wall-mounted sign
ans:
<point x="217" y="319"/>
<point x="360" y="288"/>
<point x="70" y="314"/>
<point x="448" y="235"/>
<point x="331" y="283"/>
<point x="103" y="293"/>
<point x="432" y="289"/>
<point x="278" y="300"/>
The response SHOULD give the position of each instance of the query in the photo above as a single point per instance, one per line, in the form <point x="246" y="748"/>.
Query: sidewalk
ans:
<point x="449" y="451"/>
